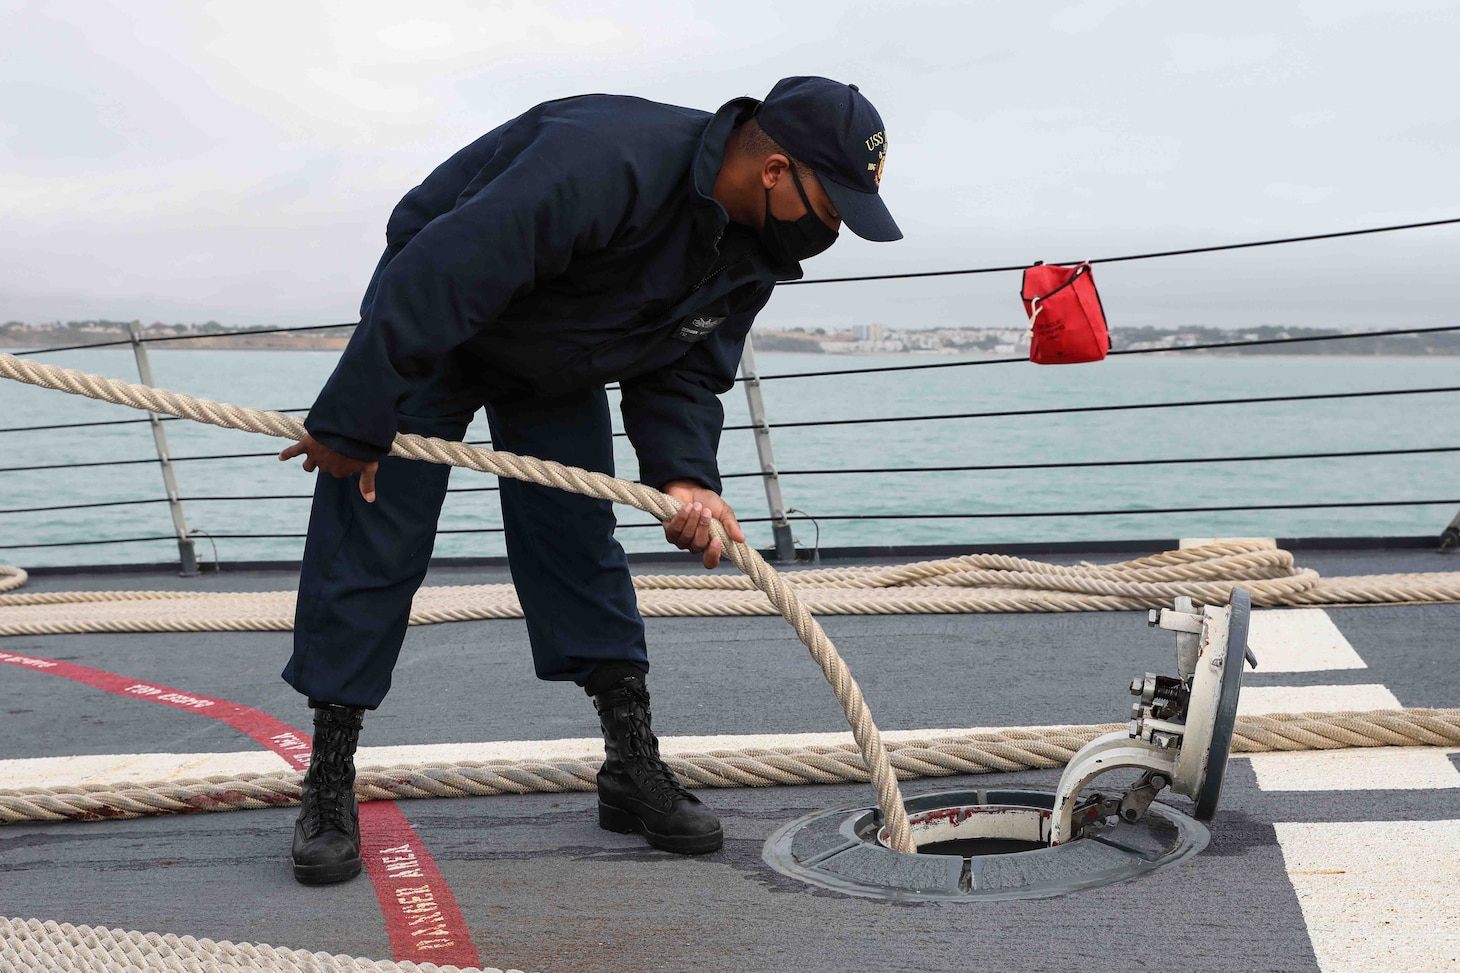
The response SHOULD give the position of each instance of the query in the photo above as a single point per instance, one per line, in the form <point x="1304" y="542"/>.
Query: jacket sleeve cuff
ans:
<point x="346" y="446"/>
<point x="658" y="472"/>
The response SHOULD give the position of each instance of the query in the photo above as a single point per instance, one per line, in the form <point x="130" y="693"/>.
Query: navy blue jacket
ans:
<point x="571" y="247"/>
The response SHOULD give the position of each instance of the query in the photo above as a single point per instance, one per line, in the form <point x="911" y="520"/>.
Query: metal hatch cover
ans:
<point x="1225" y="722"/>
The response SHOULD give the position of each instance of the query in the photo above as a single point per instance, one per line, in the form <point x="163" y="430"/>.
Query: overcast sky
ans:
<point x="236" y="161"/>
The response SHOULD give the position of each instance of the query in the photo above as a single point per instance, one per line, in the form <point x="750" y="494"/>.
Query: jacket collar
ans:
<point x="710" y="216"/>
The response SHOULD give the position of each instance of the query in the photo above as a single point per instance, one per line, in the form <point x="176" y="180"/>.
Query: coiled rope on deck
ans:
<point x="33" y="945"/>
<point x="545" y="473"/>
<point x="973" y="583"/>
<point x="974" y="752"/>
<point x="11" y="578"/>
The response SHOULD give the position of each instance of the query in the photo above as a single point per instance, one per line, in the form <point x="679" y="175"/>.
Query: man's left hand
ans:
<point x="689" y="530"/>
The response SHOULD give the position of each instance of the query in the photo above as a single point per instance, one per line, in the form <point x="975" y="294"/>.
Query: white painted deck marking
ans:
<point x="1260" y="700"/>
<point x="1377" y="895"/>
<point x="1366" y="769"/>
<point x="64" y="771"/>
<point x="1300" y="640"/>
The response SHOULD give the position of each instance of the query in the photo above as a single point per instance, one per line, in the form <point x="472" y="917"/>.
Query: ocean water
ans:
<point x="286" y="379"/>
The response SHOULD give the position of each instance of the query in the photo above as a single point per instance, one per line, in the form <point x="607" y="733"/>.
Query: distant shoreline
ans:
<point x="926" y="344"/>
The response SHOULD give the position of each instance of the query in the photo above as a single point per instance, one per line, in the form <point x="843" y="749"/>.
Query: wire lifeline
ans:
<point x="997" y="515"/>
<point x="1138" y="256"/>
<point x="1119" y="407"/>
<point x="980" y="468"/>
<point x="1005" y="515"/>
<point x="1086" y="464"/>
<point x="984" y="468"/>
<point x="139" y="462"/>
<point x="868" y="277"/>
<point x="1134" y="511"/>
<point x="187" y="337"/>
<point x="262" y="496"/>
<point x="841" y="280"/>
<point x="544" y="473"/>
<point x="256" y="537"/>
<point x="83" y="506"/>
<point x="923" y="366"/>
<point x="1201" y="346"/>
<point x="122" y="422"/>
<point x="144" y="460"/>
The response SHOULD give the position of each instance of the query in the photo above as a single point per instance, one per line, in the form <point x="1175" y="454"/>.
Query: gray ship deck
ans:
<point x="1335" y="861"/>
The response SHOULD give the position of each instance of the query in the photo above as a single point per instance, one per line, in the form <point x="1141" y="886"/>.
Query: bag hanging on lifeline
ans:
<point x="1066" y="321"/>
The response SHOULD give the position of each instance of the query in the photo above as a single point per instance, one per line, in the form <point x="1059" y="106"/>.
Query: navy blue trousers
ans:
<point x="364" y="561"/>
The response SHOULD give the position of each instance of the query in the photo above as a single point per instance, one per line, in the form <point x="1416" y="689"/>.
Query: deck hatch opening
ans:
<point x="977" y="829"/>
<point x="977" y="845"/>
<point x="971" y="847"/>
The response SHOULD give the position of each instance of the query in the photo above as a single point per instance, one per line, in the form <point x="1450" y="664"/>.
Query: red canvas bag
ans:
<point x="1065" y="316"/>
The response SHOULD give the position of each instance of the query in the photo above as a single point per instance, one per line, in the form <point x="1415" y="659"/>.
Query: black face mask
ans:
<point x="792" y="241"/>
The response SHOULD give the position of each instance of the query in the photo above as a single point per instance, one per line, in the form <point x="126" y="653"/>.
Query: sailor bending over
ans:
<point x="591" y="240"/>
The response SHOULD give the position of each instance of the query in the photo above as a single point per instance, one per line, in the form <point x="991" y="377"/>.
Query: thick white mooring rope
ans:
<point x="546" y="473"/>
<point x="36" y="946"/>
<point x="974" y="583"/>
<point x="974" y="752"/>
<point x="11" y="577"/>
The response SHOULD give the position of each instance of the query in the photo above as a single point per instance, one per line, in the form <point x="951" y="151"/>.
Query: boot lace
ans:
<point x="643" y="748"/>
<point x="333" y="778"/>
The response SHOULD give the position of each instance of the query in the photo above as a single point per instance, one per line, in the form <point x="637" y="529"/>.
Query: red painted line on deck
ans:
<point x="273" y="734"/>
<point x="422" y="917"/>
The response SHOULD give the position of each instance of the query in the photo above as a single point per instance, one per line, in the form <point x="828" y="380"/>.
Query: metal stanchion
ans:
<point x="780" y="527"/>
<point x="187" y="555"/>
<point x="1450" y="537"/>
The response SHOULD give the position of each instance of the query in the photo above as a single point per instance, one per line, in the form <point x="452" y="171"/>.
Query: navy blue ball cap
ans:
<point x="834" y="129"/>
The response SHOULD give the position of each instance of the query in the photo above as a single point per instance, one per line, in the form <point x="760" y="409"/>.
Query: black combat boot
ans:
<point x="327" y="834"/>
<point x="636" y="791"/>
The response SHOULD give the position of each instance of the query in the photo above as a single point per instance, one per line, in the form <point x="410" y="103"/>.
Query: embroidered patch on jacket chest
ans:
<point x="696" y="328"/>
